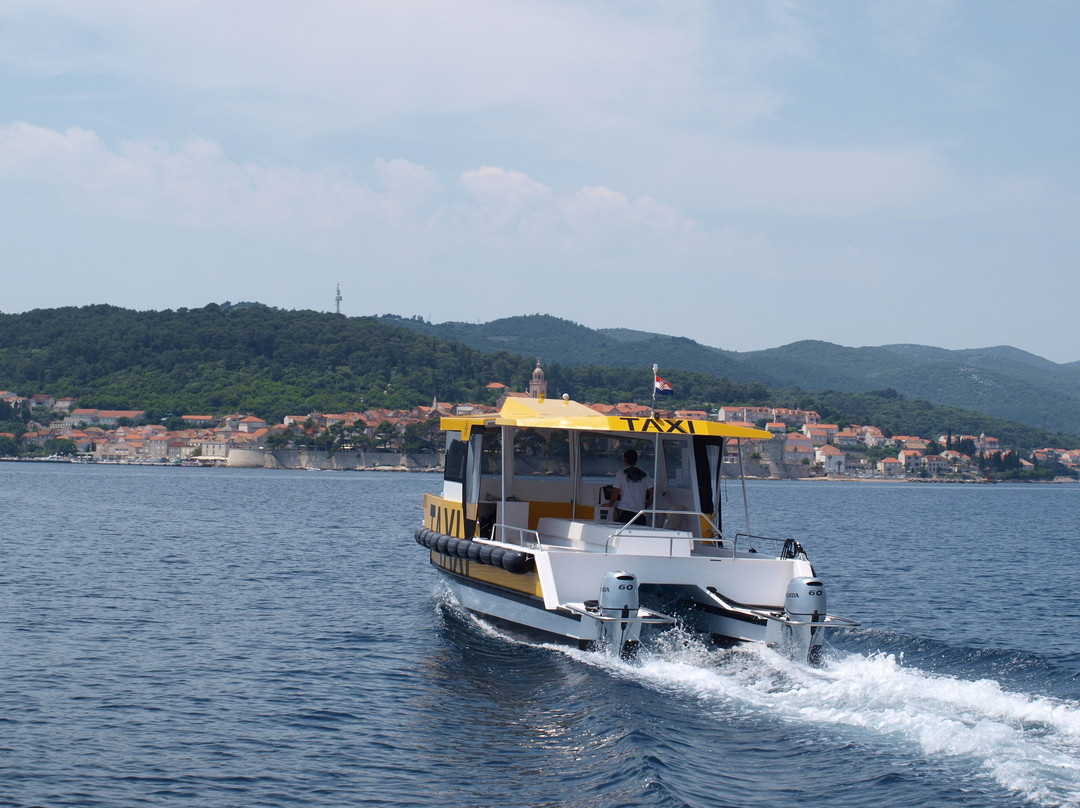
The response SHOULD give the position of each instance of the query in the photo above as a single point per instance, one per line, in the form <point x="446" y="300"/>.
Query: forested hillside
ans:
<point x="560" y="341"/>
<point x="245" y="357"/>
<point x="1003" y="382"/>
<point x="272" y="362"/>
<point x="1000" y="381"/>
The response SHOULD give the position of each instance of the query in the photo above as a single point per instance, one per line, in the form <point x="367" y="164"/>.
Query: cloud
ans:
<point x="341" y="64"/>
<point x="195" y="185"/>
<point x="510" y="205"/>
<point x="502" y="202"/>
<point x="666" y="101"/>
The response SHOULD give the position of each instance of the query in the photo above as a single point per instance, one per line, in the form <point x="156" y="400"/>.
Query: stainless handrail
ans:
<point x="521" y="531"/>
<point x="778" y="542"/>
<point x="718" y="536"/>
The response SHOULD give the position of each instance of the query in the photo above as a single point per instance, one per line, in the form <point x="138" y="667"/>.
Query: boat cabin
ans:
<point x="547" y="467"/>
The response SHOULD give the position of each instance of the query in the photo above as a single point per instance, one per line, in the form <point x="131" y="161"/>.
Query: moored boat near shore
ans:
<point x="526" y="532"/>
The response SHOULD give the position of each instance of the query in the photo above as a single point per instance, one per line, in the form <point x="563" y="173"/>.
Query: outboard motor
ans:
<point x="805" y="603"/>
<point x="619" y="602"/>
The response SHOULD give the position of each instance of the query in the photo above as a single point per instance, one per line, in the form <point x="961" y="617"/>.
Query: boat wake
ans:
<point x="1029" y="745"/>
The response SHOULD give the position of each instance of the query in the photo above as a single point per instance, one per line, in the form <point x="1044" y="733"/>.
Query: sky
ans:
<point x="745" y="174"/>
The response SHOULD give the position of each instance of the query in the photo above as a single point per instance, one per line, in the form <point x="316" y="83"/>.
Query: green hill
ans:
<point x="1002" y="382"/>
<point x="246" y="357"/>
<point x="560" y="341"/>
<point x="271" y="362"/>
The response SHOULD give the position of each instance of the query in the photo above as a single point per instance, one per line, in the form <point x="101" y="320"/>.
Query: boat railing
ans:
<point x="740" y="542"/>
<point x="717" y="539"/>
<point x="747" y="543"/>
<point x="503" y="530"/>
<point x="781" y="547"/>
<point x="676" y="512"/>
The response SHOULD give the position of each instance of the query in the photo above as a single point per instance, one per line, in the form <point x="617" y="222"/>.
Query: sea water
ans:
<point x="274" y="638"/>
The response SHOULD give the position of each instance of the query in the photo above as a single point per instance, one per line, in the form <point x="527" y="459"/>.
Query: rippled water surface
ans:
<point x="223" y="637"/>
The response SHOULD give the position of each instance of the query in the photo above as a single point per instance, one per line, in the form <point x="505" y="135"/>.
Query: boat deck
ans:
<point x="612" y="538"/>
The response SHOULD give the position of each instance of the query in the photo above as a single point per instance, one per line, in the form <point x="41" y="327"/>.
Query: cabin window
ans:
<point x="679" y="475"/>
<point x="456" y="457"/>
<point x="541" y="453"/>
<point x="491" y="457"/>
<point x="677" y="459"/>
<point x="601" y="456"/>
<point x="475" y="467"/>
<point x="707" y="456"/>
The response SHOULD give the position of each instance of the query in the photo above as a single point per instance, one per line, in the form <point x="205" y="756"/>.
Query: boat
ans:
<point x="525" y="535"/>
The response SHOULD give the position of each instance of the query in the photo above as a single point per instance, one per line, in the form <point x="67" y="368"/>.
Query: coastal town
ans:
<point x="801" y="445"/>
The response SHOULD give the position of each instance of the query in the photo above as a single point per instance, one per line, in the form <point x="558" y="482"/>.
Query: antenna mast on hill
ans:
<point x="337" y="299"/>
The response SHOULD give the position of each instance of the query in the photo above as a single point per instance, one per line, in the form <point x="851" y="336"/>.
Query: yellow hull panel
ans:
<point x="526" y="584"/>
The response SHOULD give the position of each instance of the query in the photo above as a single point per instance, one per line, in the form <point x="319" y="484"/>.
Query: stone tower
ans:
<point x="538" y="384"/>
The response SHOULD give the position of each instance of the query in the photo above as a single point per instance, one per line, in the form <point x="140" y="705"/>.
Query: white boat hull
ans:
<point x="522" y="612"/>
<point x="678" y="587"/>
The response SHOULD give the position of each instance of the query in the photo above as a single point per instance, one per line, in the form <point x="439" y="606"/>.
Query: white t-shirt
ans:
<point x="632" y="493"/>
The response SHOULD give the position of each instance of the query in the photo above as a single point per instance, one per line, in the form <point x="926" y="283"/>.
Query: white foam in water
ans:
<point x="1030" y="745"/>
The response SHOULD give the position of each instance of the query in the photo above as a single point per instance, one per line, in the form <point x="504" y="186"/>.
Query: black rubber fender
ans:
<point x="516" y="562"/>
<point x="512" y="561"/>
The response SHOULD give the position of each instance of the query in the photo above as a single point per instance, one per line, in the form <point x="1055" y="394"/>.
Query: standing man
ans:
<point x="633" y="489"/>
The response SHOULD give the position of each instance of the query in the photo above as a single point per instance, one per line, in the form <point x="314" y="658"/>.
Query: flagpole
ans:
<point x="656" y="444"/>
<point x="655" y="371"/>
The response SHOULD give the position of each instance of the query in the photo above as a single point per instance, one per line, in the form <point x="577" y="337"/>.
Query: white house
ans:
<point x="830" y="458"/>
<point x="890" y="467"/>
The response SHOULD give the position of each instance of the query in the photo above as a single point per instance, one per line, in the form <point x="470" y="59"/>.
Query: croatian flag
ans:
<point x="663" y="388"/>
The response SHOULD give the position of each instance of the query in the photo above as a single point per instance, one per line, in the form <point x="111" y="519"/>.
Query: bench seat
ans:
<point x="597" y="537"/>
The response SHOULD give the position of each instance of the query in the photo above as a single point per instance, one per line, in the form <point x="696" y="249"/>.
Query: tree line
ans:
<point x="273" y="362"/>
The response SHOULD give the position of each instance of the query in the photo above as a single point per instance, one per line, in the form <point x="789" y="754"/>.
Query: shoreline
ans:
<point x="403" y="466"/>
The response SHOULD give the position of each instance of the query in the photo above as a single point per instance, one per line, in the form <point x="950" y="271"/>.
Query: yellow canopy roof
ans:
<point x="566" y="414"/>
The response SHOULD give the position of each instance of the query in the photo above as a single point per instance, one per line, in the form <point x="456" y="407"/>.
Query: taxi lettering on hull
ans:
<point x="446" y="520"/>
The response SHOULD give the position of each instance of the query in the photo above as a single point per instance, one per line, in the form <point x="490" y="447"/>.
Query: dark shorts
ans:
<point x="626" y="516"/>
